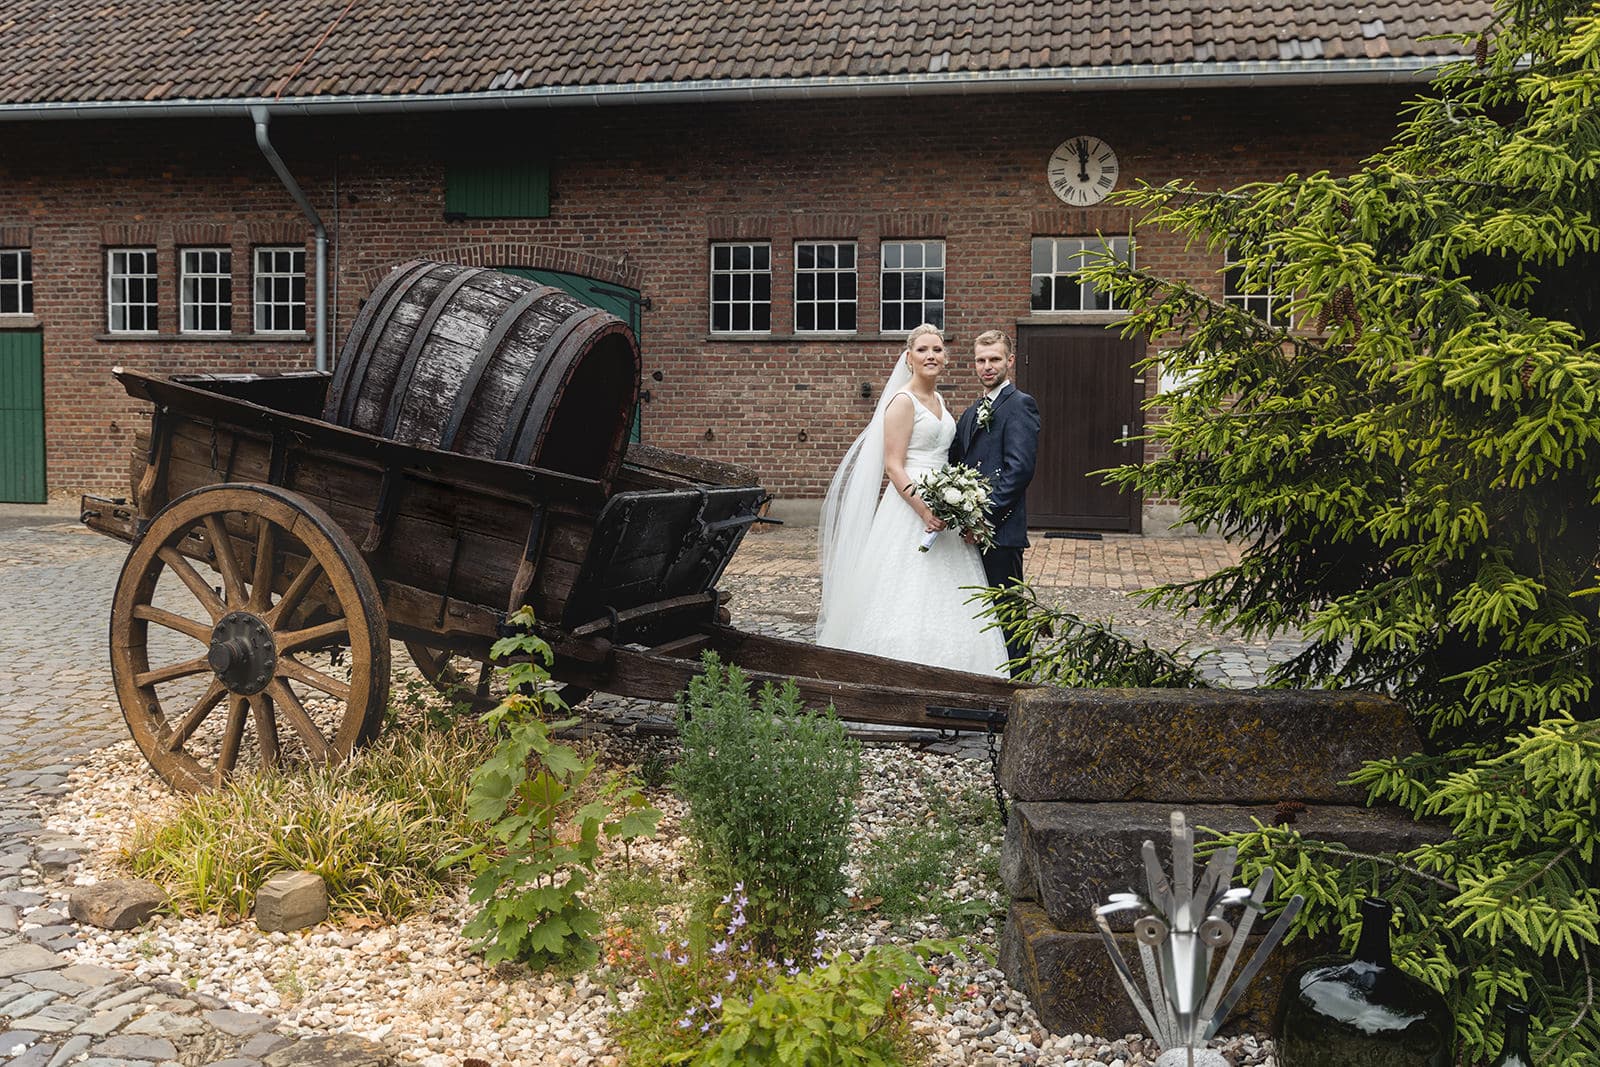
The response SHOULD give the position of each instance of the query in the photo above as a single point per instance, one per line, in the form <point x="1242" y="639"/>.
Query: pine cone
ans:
<point x="1345" y="209"/>
<point x="1526" y="373"/>
<point x="1480" y="50"/>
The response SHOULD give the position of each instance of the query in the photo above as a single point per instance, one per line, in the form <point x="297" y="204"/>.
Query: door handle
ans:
<point x="1123" y="440"/>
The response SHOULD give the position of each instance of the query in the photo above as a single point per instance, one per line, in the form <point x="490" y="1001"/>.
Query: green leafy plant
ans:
<point x="545" y="816"/>
<point x="372" y="827"/>
<point x="1410" y="461"/>
<point x="771" y="789"/>
<point x="1069" y="651"/>
<point x="847" y="1012"/>
<point x="903" y="871"/>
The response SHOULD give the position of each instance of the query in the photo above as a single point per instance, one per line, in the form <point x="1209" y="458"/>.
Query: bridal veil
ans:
<point x="847" y="513"/>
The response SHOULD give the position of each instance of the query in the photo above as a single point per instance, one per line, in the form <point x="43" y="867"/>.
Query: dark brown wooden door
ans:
<point x="1084" y="380"/>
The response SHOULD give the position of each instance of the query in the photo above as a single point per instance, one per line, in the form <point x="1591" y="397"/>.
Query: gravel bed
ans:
<point x="417" y="986"/>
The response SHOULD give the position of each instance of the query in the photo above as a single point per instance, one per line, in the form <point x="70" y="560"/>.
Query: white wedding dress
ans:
<point x="910" y="605"/>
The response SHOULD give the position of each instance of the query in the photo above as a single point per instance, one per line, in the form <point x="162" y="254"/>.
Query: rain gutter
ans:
<point x="1175" y="76"/>
<point x="261" y="116"/>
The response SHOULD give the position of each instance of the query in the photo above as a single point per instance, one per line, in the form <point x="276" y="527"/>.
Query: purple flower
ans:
<point x="738" y="887"/>
<point x="729" y="977"/>
<point x="736" y="922"/>
<point x="745" y="947"/>
<point x="683" y="961"/>
<point x="816" y="953"/>
<point x="716" y="1002"/>
<point x="719" y="948"/>
<point x="728" y="899"/>
<point x="787" y="962"/>
<point x="792" y="971"/>
<point x="684" y="1024"/>
<point x="705" y="1026"/>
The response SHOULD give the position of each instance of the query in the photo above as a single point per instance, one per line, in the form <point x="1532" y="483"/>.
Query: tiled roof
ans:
<point x="79" y="51"/>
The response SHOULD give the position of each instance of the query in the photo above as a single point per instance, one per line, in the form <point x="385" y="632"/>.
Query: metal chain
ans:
<point x="994" y="773"/>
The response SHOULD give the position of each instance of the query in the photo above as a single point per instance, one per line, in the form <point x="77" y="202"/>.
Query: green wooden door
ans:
<point x="22" y="418"/>
<point x="621" y="302"/>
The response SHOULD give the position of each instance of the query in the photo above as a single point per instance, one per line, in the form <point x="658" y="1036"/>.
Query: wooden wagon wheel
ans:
<point x="464" y="680"/>
<point x="293" y="588"/>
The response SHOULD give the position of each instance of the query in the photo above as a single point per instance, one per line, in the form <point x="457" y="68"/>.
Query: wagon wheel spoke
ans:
<point x="195" y="716"/>
<point x="227" y="563"/>
<point x="295" y="593"/>
<point x="232" y="737"/>
<point x="294" y="640"/>
<point x="197" y="585"/>
<point x="266" y="729"/>
<point x="261" y="578"/>
<point x="293" y="668"/>
<point x="284" y="700"/>
<point x="173" y="621"/>
<point x="188" y="668"/>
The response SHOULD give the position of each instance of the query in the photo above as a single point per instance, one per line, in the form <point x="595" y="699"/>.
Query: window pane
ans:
<point x="10" y="266"/>
<point x="847" y="316"/>
<point x="761" y="257"/>
<point x="805" y="287"/>
<point x="805" y="317"/>
<point x="741" y="257"/>
<point x="933" y="285"/>
<point x="741" y="316"/>
<point x="721" y="287"/>
<point x="935" y="254"/>
<point x="763" y="286"/>
<point x="741" y="287"/>
<point x="913" y="255"/>
<point x="825" y="286"/>
<point x="762" y="319"/>
<point x="825" y="317"/>
<point x="10" y="300"/>
<point x="1041" y="293"/>
<point x="891" y="256"/>
<point x="847" y="287"/>
<point x="847" y="256"/>
<point x="825" y="256"/>
<point x="721" y="256"/>
<point x="1042" y="254"/>
<point x="911" y="285"/>
<point x="805" y="256"/>
<point x="719" y="316"/>
<point x="934" y="314"/>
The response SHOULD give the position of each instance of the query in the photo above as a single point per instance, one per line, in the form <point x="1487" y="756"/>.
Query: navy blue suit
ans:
<point x="1005" y="453"/>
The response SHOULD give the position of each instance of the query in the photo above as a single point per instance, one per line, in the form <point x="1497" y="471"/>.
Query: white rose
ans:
<point x="952" y="496"/>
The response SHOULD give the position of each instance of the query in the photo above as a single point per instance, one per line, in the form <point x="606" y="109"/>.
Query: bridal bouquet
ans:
<point x="957" y="494"/>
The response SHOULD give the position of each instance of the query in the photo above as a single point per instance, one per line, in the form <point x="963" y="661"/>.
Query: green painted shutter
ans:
<point x="623" y="303"/>
<point x="497" y="190"/>
<point x="22" y="418"/>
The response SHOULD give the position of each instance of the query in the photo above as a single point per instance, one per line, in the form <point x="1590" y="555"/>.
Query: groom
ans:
<point x="999" y="435"/>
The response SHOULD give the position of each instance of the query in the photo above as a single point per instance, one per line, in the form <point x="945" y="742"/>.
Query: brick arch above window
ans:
<point x="523" y="255"/>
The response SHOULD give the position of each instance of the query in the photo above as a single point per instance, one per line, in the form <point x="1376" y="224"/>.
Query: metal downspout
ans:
<point x="262" y="117"/>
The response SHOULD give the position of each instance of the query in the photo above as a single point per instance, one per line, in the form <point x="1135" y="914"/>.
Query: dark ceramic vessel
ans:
<point x="1514" y="1049"/>
<point x="1364" y="1011"/>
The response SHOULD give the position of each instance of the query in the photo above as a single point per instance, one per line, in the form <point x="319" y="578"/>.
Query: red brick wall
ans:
<point x="654" y="185"/>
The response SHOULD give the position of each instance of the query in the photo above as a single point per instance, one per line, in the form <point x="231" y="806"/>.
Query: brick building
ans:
<point x="771" y="193"/>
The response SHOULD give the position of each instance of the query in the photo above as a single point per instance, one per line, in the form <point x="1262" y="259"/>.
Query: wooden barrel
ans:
<point x="472" y="360"/>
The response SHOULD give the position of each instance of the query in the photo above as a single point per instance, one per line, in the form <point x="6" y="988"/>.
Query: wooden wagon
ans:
<point x="469" y="457"/>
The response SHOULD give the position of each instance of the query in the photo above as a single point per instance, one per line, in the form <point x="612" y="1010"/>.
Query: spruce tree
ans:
<point x="1411" y="463"/>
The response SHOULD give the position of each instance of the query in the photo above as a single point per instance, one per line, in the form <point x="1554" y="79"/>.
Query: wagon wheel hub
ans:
<point x="243" y="653"/>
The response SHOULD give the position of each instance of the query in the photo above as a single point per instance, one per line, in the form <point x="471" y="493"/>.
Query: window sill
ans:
<point x="208" y="338"/>
<point x="791" y="338"/>
<point x="20" y="322"/>
<point x="1073" y="318"/>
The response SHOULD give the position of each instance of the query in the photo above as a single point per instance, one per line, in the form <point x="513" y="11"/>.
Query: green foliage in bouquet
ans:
<point x="1412" y="464"/>
<point x="545" y="813"/>
<point x="771" y="790"/>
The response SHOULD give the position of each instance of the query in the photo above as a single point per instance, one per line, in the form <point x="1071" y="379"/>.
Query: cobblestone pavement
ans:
<point x="56" y="704"/>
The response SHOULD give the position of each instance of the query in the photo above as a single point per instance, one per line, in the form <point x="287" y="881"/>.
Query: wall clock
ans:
<point x="1082" y="170"/>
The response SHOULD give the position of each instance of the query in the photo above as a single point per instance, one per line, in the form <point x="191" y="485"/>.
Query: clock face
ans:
<point x="1082" y="170"/>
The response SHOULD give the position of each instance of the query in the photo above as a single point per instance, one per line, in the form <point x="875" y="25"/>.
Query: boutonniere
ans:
<point x="985" y="413"/>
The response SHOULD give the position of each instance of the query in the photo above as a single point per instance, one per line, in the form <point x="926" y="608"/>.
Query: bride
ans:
<point x="880" y="595"/>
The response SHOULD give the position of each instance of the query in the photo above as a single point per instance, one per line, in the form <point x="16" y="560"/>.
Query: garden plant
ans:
<point x="1410" y="458"/>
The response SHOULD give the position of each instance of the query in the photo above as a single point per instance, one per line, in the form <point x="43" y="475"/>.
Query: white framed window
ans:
<point x="825" y="287"/>
<point x="205" y="287"/>
<point x="280" y="290"/>
<point x="1252" y="293"/>
<point x="912" y="284"/>
<point x="1058" y="263"/>
<point x="741" y="287"/>
<point x="16" y="281"/>
<point x="131" y="290"/>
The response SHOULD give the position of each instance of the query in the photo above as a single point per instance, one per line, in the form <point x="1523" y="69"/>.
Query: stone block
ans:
<point x="1179" y="746"/>
<point x="1071" y="857"/>
<point x="292" y="900"/>
<point x="119" y="904"/>
<point x="22" y="958"/>
<point x="1073" y="986"/>
<point x="331" y="1050"/>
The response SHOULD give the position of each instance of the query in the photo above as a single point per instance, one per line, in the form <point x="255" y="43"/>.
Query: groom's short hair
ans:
<point x="992" y="337"/>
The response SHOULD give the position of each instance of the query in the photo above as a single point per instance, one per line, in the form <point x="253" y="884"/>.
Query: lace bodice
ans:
<point x="931" y="434"/>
